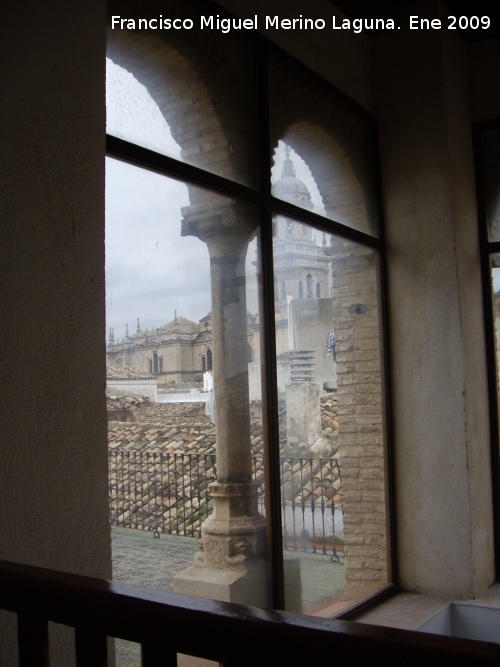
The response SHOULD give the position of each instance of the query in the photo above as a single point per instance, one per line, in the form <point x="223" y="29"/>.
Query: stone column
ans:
<point x="230" y="564"/>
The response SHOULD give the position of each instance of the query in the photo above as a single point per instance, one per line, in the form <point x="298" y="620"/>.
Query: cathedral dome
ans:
<point x="289" y="187"/>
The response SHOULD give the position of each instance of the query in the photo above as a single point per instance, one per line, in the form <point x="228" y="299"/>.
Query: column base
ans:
<point x="248" y="585"/>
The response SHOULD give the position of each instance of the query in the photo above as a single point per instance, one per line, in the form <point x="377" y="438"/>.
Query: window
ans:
<point x="250" y="173"/>
<point x="309" y="286"/>
<point x="487" y="146"/>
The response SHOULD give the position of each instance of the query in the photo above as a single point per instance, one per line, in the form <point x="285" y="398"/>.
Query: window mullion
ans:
<point x="270" y="382"/>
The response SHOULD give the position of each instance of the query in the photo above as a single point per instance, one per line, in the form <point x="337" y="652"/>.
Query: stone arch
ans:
<point x="341" y="183"/>
<point x="197" y="88"/>
<point x="331" y="136"/>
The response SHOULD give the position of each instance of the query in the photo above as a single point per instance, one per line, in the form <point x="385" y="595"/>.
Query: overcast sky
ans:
<point x="151" y="271"/>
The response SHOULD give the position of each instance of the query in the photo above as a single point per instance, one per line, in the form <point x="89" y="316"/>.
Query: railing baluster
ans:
<point x="177" y="499"/>
<point x="303" y="505"/>
<point x="322" y="505"/>
<point x="188" y="530"/>
<point x="129" y="493"/>
<point x="157" y="655"/>
<point x="184" y="493"/>
<point x="119" y="489"/>
<point x="33" y="641"/>
<point x="163" y="487"/>
<point x="124" y="491"/>
<point x="312" y="497"/>
<point x="143" y="476"/>
<point x="135" y="502"/>
<point x="156" y="520"/>
<point x="335" y="556"/>
<point x="283" y="503"/>
<point x="91" y="648"/>
<point x="170" y="458"/>
<point x="294" y="528"/>
<point x="172" y="495"/>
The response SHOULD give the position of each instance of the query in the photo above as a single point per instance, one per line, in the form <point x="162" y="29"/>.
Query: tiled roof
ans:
<point x="182" y="325"/>
<point x="168" y="464"/>
<point x="175" y="425"/>
<point x="126" y="373"/>
<point x="116" y="401"/>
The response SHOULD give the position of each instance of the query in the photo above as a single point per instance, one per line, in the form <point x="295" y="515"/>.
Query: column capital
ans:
<point x="216" y="221"/>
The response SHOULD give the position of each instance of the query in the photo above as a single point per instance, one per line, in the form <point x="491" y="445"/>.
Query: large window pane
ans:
<point x="149" y="265"/>
<point x="332" y="456"/>
<point x="185" y="433"/>
<point x="200" y="82"/>
<point x="185" y="270"/>
<point x="489" y="146"/>
<point x="495" y="284"/>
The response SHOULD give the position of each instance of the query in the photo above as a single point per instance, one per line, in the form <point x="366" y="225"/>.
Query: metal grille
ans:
<point x="169" y="493"/>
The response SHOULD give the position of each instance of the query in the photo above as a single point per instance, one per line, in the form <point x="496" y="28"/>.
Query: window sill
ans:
<point x="410" y="610"/>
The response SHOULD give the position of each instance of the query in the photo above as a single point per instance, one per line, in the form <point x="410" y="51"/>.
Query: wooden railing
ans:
<point x="236" y="636"/>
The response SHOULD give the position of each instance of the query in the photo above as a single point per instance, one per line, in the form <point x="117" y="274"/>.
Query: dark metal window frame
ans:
<point x="269" y="206"/>
<point x="487" y="249"/>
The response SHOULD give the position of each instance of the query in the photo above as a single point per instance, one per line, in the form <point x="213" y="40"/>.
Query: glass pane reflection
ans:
<point x="185" y="428"/>
<point x="333" y="140"/>
<point x="331" y="427"/>
<point x="495" y="284"/>
<point x="183" y="95"/>
<point x="490" y="154"/>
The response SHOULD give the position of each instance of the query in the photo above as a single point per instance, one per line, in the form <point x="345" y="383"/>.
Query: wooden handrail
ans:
<point x="235" y="635"/>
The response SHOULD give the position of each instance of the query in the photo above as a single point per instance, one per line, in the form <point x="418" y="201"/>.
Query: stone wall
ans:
<point x="360" y="413"/>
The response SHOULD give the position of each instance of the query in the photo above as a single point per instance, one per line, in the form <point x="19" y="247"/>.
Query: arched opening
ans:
<point x="283" y="290"/>
<point x="309" y="280"/>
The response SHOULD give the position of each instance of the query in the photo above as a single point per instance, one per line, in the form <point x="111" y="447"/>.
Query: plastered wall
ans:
<point x="342" y="60"/>
<point x="441" y="427"/>
<point x="53" y="482"/>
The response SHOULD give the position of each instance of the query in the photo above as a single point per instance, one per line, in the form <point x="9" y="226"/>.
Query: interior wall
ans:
<point x="340" y="57"/>
<point x="441" y="423"/>
<point x="483" y="69"/>
<point x="53" y="481"/>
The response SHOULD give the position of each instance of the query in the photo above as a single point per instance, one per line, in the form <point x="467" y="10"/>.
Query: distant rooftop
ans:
<point x="127" y="373"/>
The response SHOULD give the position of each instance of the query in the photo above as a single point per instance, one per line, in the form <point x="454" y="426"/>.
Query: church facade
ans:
<point x="179" y="351"/>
